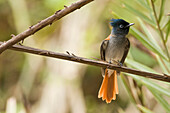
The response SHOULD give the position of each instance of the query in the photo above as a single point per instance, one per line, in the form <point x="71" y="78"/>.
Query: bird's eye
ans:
<point x="121" y="26"/>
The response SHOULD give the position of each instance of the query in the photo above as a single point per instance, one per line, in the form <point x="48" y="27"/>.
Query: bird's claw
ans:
<point x="118" y="63"/>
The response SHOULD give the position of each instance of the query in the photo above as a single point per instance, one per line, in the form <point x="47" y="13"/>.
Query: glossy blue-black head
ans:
<point x="120" y="27"/>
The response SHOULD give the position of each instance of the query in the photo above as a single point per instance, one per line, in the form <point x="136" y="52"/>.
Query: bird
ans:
<point x="114" y="50"/>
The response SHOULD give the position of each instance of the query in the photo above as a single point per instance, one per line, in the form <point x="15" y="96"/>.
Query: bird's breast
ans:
<point x="115" y="49"/>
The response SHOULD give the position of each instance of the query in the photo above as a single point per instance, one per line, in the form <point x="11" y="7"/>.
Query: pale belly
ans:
<point x="114" y="52"/>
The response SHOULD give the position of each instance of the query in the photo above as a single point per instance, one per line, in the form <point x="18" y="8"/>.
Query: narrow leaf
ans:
<point x="150" y="37"/>
<point x="139" y="66"/>
<point x="144" y="4"/>
<point x="165" y="25"/>
<point x="161" y="100"/>
<point x="142" y="38"/>
<point x="167" y="31"/>
<point x="145" y="29"/>
<point x="138" y="13"/>
<point x="144" y="109"/>
<point x="148" y="83"/>
<point x="127" y="88"/>
<point x="161" y="10"/>
<point x="162" y="64"/>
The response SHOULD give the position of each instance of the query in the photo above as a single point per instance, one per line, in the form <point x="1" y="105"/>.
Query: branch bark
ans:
<point x="48" y="21"/>
<point x="161" y="77"/>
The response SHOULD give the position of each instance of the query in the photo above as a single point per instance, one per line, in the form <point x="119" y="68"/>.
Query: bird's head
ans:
<point x="120" y="27"/>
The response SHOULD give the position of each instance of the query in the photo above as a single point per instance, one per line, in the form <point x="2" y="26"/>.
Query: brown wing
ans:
<point x="126" y="50"/>
<point x="102" y="53"/>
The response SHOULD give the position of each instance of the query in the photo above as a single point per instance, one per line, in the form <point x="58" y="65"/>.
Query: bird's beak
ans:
<point x="130" y="24"/>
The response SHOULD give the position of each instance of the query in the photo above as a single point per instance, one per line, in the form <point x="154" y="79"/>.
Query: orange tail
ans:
<point x="109" y="87"/>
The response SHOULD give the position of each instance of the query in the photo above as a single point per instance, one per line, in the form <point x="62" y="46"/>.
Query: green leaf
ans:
<point x="144" y="4"/>
<point x="139" y="66"/>
<point x="148" y="83"/>
<point x="161" y="100"/>
<point x="161" y="10"/>
<point x="167" y="31"/>
<point x="162" y="64"/>
<point x="142" y="38"/>
<point x="138" y="13"/>
<point x="165" y="25"/>
<point x="144" y="109"/>
<point x="149" y="35"/>
<point x="147" y="1"/>
<point x="115" y="15"/>
<point x="127" y="88"/>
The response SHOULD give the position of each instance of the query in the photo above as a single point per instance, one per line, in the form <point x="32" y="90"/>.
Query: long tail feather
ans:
<point x="104" y="84"/>
<point x="116" y="84"/>
<point x="109" y="87"/>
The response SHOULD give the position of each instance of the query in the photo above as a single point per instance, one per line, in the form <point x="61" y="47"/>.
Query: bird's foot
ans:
<point x="118" y="63"/>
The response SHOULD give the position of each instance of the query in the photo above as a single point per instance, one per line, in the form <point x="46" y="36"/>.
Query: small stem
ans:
<point x="157" y="22"/>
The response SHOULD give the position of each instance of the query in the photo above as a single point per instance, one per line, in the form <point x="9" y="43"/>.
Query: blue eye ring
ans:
<point x="121" y="26"/>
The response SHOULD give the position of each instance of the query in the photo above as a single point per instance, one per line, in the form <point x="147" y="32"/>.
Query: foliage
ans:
<point x="149" y="22"/>
<point x="31" y="82"/>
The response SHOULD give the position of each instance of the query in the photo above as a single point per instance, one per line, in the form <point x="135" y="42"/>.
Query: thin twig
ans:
<point x="159" y="28"/>
<point x="48" y="21"/>
<point x="82" y="60"/>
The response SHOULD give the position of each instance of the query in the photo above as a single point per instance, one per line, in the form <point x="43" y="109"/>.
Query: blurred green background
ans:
<point x="36" y="84"/>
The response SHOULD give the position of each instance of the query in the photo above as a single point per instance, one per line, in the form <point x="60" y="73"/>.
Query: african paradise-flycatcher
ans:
<point x="113" y="49"/>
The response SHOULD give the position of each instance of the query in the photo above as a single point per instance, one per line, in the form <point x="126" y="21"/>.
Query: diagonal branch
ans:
<point x="82" y="60"/>
<point x="48" y="21"/>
